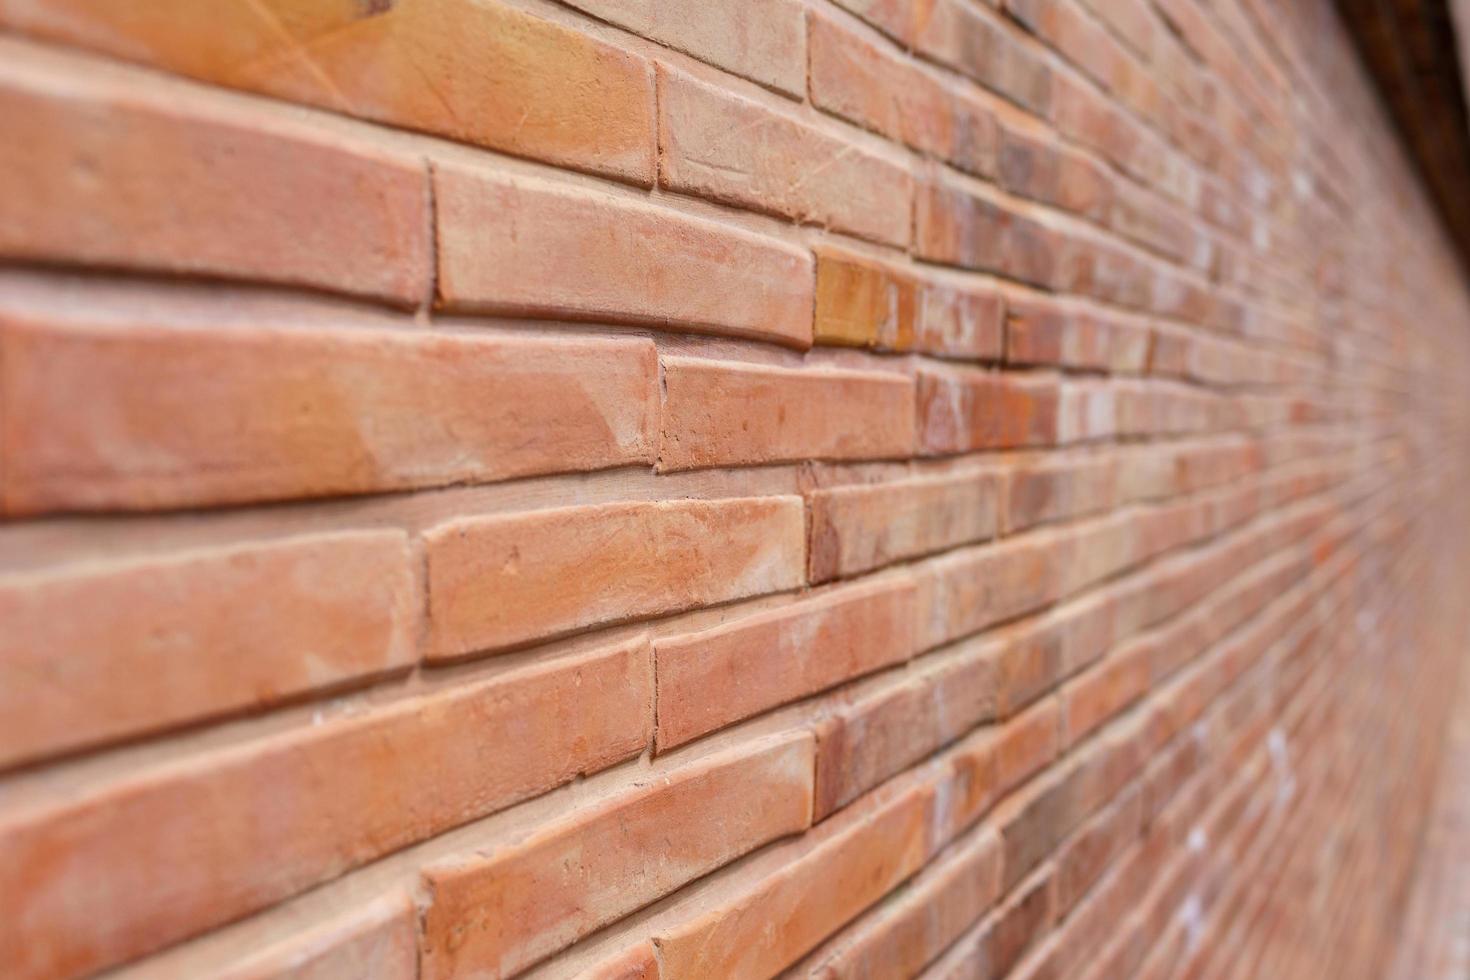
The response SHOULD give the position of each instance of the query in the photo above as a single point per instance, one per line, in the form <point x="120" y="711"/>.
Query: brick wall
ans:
<point x="623" y="488"/>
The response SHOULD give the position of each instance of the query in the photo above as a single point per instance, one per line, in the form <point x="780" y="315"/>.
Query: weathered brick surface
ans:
<point x="643" y="490"/>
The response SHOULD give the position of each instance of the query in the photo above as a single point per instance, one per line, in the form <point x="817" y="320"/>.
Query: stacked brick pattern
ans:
<point x="733" y="488"/>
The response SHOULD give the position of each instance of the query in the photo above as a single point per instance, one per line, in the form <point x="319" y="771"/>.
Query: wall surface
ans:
<point x="709" y="488"/>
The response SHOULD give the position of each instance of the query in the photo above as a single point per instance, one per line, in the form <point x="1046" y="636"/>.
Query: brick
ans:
<point x="348" y="790"/>
<point x="965" y="227"/>
<point x="862" y="303"/>
<point x="1026" y="744"/>
<point x="737" y="151"/>
<point x="890" y="95"/>
<point x="185" y="636"/>
<point x="476" y="71"/>
<point x="902" y="937"/>
<point x="527" y="247"/>
<point x="504" y="580"/>
<point x="1084" y="858"/>
<point x="963" y="411"/>
<point x="725" y="413"/>
<point x="376" y="942"/>
<point x="762" y="661"/>
<point x="853" y="867"/>
<point x="961" y="322"/>
<point x="855" y="529"/>
<point x="494" y="915"/>
<point x="146" y="177"/>
<point x="966" y="591"/>
<point x="762" y="40"/>
<point x="975" y="42"/>
<point x="1052" y="490"/>
<point x="198" y="414"/>
<point x="861" y="745"/>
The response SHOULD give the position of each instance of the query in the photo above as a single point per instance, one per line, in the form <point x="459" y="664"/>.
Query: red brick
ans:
<point x="494" y="915"/>
<point x="960" y="322"/>
<point x="729" y="413"/>
<point x="963" y="411"/>
<point x="343" y="792"/>
<point x="376" y="942"/>
<point x="976" y="43"/>
<point x="735" y="150"/>
<point x="966" y="591"/>
<point x="901" y="937"/>
<point x="852" y="868"/>
<point x="1052" y="490"/>
<point x="1025" y="744"/>
<point x="180" y="412"/>
<point x="888" y="94"/>
<point x="527" y="247"/>
<point x="151" y="177"/>
<point x="189" y="635"/>
<point x="863" y="303"/>
<point x="477" y="71"/>
<point x="1084" y="858"/>
<point x="761" y="661"/>
<point x="762" y="40"/>
<point x="855" y="529"/>
<point x="964" y="226"/>
<point x="503" y="580"/>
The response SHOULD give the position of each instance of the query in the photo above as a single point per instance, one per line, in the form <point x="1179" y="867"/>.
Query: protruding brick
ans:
<point x="376" y="942"/>
<point x="523" y="246"/>
<point x="155" y="642"/>
<point x="732" y="149"/>
<point x="768" y="659"/>
<point x="508" y="579"/>
<point x="966" y="591"/>
<point x="477" y="71"/>
<point x="196" y="414"/>
<point x="342" y="792"/>
<point x="496" y="915"/>
<point x="855" y="529"/>
<point x="863" y="303"/>
<point x="957" y="225"/>
<point x="125" y="172"/>
<point x="961" y="322"/>
<point x="729" y="413"/>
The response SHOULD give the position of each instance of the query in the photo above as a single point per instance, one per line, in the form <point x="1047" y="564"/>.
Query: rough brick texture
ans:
<point x="702" y="489"/>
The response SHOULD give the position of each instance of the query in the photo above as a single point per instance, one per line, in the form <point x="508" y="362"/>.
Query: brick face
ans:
<point x="672" y="490"/>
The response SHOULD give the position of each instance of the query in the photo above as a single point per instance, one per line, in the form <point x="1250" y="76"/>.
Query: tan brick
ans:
<point x="735" y="150"/>
<point x="853" y="868"/>
<point x="522" y="246"/>
<point x="855" y="529"/>
<point x="156" y="642"/>
<point x="768" y="659"/>
<point x="145" y="176"/>
<point x="507" y="579"/>
<point x="863" y="303"/>
<point x="494" y="915"/>
<point x="477" y="71"/>
<point x="343" y="792"/>
<point x="727" y="413"/>
<point x="198" y="414"/>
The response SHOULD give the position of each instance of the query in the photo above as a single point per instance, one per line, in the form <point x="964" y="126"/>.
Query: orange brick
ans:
<point x="190" y="413"/>
<point x="344" y="792"/>
<point x="528" y="247"/>
<point x="1051" y="490"/>
<point x="507" y="579"/>
<point x="853" y="868"/>
<point x="729" y="413"/>
<point x="957" y="225"/>
<point x="639" y="962"/>
<point x="761" y="661"/>
<point x="1025" y="744"/>
<point x="964" y="411"/>
<point x="735" y="150"/>
<point x="376" y="942"/>
<point x="855" y="529"/>
<point x="477" y="71"/>
<point x="762" y="40"/>
<point x="966" y="591"/>
<point x="862" y="303"/>
<point x="155" y="642"/>
<point x="494" y="915"/>
<point x="124" y="174"/>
